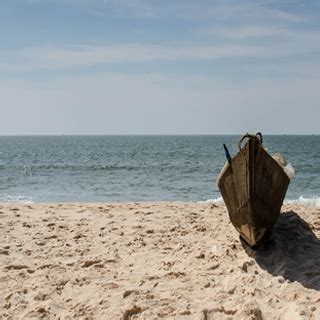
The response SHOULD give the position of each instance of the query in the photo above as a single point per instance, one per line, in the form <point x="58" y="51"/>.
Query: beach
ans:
<point x="170" y="260"/>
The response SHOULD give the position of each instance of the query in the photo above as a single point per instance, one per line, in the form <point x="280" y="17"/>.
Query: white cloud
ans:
<point x="253" y="31"/>
<point x="252" y="21"/>
<point x="218" y="9"/>
<point x="292" y="44"/>
<point x="156" y="103"/>
<point x="252" y="11"/>
<point x="52" y="57"/>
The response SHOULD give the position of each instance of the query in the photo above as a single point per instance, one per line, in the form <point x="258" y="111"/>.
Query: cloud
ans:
<point x="53" y="57"/>
<point x="293" y="44"/>
<point x="244" y="10"/>
<point x="253" y="31"/>
<point x="242" y="29"/>
<point x="270" y="66"/>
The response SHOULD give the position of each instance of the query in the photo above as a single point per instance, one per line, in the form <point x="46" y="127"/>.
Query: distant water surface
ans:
<point x="137" y="168"/>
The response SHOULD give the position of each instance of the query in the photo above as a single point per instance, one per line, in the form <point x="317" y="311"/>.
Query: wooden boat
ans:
<point x="253" y="186"/>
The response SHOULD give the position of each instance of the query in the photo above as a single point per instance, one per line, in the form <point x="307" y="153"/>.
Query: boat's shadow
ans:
<point x="292" y="250"/>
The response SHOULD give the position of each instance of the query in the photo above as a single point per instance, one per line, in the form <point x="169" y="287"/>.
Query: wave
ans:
<point x="312" y="201"/>
<point x="16" y="198"/>
<point x="214" y="201"/>
<point x="302" y="200"/>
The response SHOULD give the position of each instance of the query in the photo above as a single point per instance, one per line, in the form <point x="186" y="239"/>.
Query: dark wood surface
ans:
<point x="253" y="188"/>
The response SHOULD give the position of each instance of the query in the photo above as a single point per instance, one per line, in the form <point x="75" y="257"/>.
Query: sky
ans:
<point x="159" y="66"/>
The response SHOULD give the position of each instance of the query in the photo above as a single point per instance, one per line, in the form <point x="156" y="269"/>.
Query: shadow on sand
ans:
<point x="292" y="250"/>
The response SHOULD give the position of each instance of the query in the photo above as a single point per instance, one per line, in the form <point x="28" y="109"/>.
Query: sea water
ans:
<point x="138" y="168"/>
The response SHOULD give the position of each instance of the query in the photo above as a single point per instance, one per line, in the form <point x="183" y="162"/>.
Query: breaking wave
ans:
<point x="16" y="198"/>
<point x="214" y="201"/>
<point x="307" y="201"/>
<point x="312" y="201"/>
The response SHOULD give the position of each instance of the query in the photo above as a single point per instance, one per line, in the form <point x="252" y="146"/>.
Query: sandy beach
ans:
<point x="154" y="260"/>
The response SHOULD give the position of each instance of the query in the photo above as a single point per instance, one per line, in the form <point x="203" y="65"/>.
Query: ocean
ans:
<point x="138" y="168"/>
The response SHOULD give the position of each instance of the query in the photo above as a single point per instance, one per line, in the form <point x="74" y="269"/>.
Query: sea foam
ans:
<point x="307" y="201"/>
<point x="312" y="201"/>
<point x="16" y="198"/>
<point x="214" y="201"/>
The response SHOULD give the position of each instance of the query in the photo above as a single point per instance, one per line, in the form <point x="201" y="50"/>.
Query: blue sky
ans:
<point x="159" y="67"/>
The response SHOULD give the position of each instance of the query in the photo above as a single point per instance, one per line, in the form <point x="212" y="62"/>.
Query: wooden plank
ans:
<point x="253" y="188"/>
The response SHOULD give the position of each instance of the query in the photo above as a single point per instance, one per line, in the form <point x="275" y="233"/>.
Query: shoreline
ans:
<point x="147" y="260"/>
<point x="307" y="201"/>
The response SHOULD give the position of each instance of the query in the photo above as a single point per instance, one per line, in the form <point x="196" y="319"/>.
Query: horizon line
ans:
<point x="150" y="134"/>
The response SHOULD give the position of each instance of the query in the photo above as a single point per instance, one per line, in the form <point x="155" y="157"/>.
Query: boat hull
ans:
<point x="253" y="187"/>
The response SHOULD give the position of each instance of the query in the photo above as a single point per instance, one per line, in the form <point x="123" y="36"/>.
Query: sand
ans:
<point x="154" y="261"/>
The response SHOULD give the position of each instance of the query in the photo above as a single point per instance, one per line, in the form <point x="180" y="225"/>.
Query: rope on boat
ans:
<point x="258" y="137"/>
